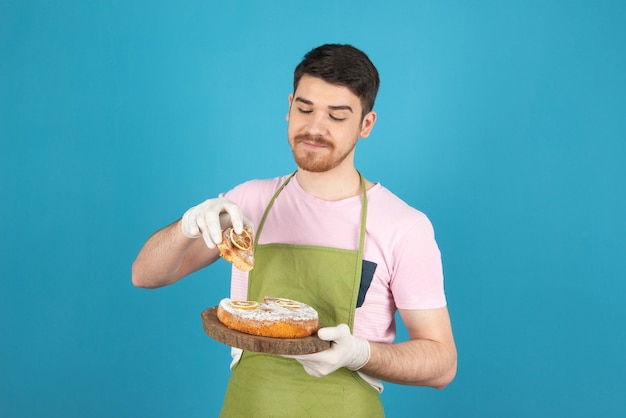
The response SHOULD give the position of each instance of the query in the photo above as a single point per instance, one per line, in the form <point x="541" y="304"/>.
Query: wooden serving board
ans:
<point x="290" y="346"/>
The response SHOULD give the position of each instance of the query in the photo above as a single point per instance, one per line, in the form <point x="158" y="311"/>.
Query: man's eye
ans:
<point x="305" y="111"/>
<point x="337" y="118"/>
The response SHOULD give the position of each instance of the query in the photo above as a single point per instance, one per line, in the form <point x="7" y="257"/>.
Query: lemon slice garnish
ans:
<point x="242" y="241"/>
<point x="244" y="304"/>
<point x="286" y="303"/>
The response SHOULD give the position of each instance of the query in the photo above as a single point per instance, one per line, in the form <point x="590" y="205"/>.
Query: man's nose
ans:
<point x="317" y="124"/>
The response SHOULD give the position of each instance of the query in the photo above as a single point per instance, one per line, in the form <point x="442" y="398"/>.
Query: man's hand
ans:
<point x="346" y="350"/>
<point x="210" y="217"/>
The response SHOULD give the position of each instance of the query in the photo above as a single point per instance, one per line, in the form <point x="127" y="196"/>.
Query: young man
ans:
<point x="332" y="239"/>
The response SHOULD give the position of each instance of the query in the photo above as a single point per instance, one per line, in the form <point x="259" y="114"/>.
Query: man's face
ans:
<point x="325" y="124"/>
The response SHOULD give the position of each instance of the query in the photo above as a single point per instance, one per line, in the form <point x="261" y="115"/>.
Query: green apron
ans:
<point x="328" y="279"/>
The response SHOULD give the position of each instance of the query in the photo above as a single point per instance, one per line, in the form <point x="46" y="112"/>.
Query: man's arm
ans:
<point x="168" y="255"/>
<point x="175" y="251"/>
<point x="429" y="358"/>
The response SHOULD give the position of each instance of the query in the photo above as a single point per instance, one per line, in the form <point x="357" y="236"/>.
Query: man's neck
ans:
<point x="331" y="185"/>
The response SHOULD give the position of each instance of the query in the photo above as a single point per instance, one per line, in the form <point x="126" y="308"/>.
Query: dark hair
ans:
<point x="342" y="65"/>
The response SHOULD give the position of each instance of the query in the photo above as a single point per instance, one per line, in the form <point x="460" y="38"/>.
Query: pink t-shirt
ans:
<point x="399" y="240"/>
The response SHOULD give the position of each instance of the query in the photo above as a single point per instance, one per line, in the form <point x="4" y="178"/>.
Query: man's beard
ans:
<point x="311" y="160"/>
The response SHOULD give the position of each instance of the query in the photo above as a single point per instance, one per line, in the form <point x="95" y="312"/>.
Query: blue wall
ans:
<point x="503" y="121"/>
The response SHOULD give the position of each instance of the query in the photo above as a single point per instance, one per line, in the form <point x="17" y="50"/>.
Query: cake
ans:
<point x="277" y="317"/>
<point x="238" y="248"/>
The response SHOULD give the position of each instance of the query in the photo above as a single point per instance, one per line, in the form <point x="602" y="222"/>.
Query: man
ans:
<point x="331" y="239"/>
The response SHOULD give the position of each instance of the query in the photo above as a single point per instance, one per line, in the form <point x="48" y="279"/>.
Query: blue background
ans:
<point x="503" y="121"/>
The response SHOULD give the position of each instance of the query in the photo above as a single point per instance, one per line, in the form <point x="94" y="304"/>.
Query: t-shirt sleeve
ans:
<point x="417" y="279"/>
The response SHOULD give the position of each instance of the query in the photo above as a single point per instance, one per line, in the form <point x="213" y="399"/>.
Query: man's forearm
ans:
<point x="166" y="257"/>
<point x="415" y="362"/>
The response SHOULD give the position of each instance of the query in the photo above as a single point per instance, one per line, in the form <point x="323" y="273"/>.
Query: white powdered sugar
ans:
<point x="270" y="311"/>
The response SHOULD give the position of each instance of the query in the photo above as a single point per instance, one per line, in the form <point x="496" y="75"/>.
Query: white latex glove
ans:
<point x="346" y="350"/>
<point x="209" y="218"/>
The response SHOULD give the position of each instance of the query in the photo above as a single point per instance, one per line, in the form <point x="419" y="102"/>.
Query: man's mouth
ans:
<point x="314" y="141"/>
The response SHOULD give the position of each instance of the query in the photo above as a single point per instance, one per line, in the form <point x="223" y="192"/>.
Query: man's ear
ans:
<point x="289" y="109"/>
<point x="368" y="123"/>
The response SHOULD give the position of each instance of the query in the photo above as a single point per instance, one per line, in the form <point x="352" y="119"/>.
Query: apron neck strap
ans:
<point x="363" y="219"/>
<point x="269" y="205"/>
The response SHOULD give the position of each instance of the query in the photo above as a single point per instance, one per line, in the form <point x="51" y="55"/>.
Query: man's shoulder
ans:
<point x="381" y="198"/>
<point x="390" y="215"/>
<point x="259" y="185"/>
<point x="254" y="192"/>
